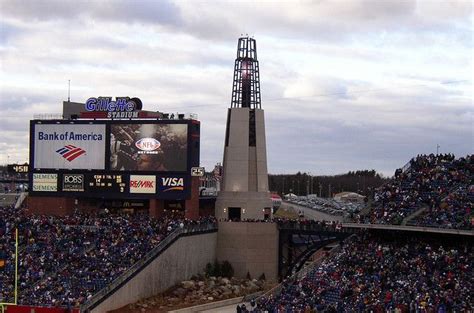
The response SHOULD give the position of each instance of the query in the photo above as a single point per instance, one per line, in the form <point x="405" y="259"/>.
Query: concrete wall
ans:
<point x="186" y="257"/>
<point x="236" y="154"/>
<point x="245" y="177"/>
<point x="261" y="151"/>
<point x="50" y="205"/>
<point x="249" y="247"/>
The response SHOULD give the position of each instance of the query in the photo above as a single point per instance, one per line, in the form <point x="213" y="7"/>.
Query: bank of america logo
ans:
<point x="71" y="152"/>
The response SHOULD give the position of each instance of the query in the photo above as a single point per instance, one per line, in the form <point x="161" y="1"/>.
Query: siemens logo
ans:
<point x="69" y="136"/>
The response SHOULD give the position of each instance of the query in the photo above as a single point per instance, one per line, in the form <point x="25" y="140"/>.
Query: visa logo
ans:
<point x="173" y="183"/>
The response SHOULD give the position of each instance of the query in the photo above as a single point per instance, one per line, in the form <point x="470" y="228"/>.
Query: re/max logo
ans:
<point x="142" y="184"/>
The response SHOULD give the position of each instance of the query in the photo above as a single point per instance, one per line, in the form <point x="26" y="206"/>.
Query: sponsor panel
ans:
<point x="148" y="147"/>
<point x="142" y="184"/>
<point x="45" y="182"/>
<point x="171" y="184"/>
<point x="69" y="146"/>
<point x="73" y="182"/>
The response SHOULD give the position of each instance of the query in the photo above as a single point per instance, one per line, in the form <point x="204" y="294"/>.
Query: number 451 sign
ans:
<point x="197" y="171"/>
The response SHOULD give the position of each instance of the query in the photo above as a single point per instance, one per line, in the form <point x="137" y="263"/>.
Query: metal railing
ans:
<point x="407" y="166"/>
<point x="310" y="226"/>
<point x="426" y="229"/>
<point x="135" y="268"/>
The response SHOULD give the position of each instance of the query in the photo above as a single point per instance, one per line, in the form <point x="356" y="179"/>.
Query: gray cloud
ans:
<point x="345" y="85"/>
<point x="123" y="11"/>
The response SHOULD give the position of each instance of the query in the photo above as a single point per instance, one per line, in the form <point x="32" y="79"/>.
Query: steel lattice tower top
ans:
<point x="246" y="85"/>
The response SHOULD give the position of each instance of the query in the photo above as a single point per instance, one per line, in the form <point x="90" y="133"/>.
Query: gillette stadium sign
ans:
<point x="122" y="107"/>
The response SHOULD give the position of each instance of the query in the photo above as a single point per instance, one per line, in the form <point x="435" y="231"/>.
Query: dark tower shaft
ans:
<point x="246" y="85"/>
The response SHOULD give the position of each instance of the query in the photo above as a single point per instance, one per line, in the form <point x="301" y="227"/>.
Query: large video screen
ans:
<point x="148" y="147"/>
<point x="69" y="146"/>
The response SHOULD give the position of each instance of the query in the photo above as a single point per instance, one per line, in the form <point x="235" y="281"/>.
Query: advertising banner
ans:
<point x="73" y="182"/>
<point x="142" y="184"/>
<point x="69" y="146"/>
<point x="148" y="147"/>
<point x="45" y="182"/>
<point x="170" y="184"/>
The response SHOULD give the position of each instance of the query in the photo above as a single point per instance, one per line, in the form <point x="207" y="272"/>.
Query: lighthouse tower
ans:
<point x="244" y="192"/>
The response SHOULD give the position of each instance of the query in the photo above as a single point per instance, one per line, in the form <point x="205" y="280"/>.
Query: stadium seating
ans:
<point x="63" y="261"/>
<point x="438" y="187"/>
<point x="370" y="273"/>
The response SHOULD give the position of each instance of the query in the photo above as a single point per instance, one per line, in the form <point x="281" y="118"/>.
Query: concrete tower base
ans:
<point x="251" y="205"/>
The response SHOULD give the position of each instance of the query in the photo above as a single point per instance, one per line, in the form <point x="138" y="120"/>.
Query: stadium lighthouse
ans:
<point x="109" y="154"/>
<point x="244" y="193"/>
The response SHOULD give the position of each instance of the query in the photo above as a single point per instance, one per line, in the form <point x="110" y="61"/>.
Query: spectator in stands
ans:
<point x="383" y="275"/>
<point x="437" y="186"/>
<point x="66" y="260"/>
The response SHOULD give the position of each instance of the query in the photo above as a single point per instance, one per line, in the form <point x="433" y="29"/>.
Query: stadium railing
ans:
<point x="426" y="229"/>
<point x="150" y="256"/>
<point x="406" y="167"/>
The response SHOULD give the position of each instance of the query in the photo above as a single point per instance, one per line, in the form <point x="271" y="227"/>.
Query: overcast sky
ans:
<point x="345" y="85"/>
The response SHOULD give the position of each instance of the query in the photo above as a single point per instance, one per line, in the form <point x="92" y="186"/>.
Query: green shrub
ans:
<point x="227" y="269"/>
<point x="209" y="270"/>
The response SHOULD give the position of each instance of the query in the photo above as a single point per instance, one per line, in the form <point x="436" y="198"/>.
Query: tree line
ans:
<point x="302" y="184"/>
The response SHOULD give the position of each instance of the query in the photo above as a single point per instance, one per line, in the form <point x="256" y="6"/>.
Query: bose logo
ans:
<point x="73" y="179"/>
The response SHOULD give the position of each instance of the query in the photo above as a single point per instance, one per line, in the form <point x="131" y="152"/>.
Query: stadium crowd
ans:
<point x="441" y="185"/>
<point x="63" y="261"/>
<point x="372" y="274"/>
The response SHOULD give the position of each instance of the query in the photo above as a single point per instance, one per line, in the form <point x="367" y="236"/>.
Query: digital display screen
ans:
<point x="69" y="146"/>
<point x="106" y="183"/>
<point x="148" y="147"/>
<point x="17" y="168"/>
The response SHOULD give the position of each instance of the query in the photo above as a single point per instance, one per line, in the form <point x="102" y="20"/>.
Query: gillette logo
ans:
<point x="172" y="184"/>
<point x="71" y="152"/>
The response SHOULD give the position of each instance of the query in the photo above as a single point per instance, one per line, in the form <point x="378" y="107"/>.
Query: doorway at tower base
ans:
<point x="236" y="205"/>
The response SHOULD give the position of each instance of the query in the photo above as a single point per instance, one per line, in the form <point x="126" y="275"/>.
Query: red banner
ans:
<point x="36" y="309"/>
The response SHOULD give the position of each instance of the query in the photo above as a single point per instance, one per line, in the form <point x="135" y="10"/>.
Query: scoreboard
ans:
<point x="113" y="159"/>
<point x="108" y="183"/>
<point x="17" y="168"/>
